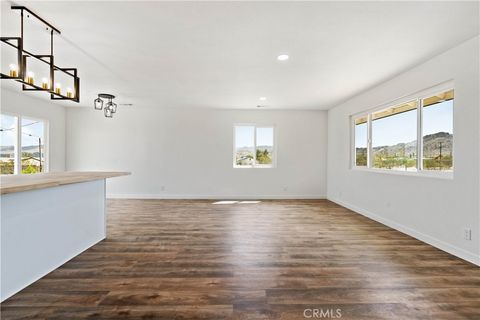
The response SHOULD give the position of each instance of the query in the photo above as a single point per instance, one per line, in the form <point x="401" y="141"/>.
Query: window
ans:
<point x="8" y="143"/>
<point x="438" y="132"/>
<point x="254" y="146"/>
<point x="22" y="145"/>
<point x="264" y="147"/>
<point x="413" y="135"/>
<point x="33" y="146"/>
<point x="361" y="141"/>
<point x="394" y="137"/>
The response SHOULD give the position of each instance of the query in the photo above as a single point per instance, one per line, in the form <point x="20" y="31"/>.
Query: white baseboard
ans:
<point x="456" y="251"/>
<point x="213" y="196"/>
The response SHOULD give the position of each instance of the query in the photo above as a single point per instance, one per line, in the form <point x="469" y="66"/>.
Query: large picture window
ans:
<point x="254" y="146"/>
<point x="413" y="135"/>
<point x="23" y="145"/>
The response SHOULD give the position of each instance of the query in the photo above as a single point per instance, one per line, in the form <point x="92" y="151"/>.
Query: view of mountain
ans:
<point x="431" y="146"/>
<point x="432" y="143"/>
<point x="437" y="154"/>
<point x="246" y="149"/>
<point x="6" y="149"/>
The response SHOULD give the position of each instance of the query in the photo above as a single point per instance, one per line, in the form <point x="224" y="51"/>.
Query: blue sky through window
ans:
<point x="403" y="127"/>
<point x="7" y="135"/>
<point x="244" y="136"/>
<point x="395" y="129"/>
<point x="438" y="118"/>
<point x="265" y="136"/>
<point x="31" y="131"/>
<point x="361" y="134"/>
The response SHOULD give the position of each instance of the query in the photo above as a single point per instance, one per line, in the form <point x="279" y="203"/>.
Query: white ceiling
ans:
<point x="223" y="54"/>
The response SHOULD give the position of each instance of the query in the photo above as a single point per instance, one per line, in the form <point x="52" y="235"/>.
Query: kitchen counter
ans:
<point x="25" y="182"/>
<point x="46" y="220"/>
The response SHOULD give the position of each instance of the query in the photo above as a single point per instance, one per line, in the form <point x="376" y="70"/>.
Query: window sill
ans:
<point x="448" y="175"/>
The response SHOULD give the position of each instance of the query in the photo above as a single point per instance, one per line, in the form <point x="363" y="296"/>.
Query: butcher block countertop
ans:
<point x="25" y="182"/>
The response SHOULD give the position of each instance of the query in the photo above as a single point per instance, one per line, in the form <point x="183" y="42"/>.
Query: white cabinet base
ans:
<point x="42" y="229"/>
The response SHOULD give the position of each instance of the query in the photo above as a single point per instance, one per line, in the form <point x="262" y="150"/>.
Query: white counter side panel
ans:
<point x="42" y="229"/>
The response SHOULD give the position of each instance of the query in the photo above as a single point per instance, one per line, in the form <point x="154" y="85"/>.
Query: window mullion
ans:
<point x="46" y="155"/>
<point x="353" y="139"/>
<point x="419" y="135"/>
<point x="254" y="164"/>
<point x="17" y="166"/>
<point x="369" y="141"/>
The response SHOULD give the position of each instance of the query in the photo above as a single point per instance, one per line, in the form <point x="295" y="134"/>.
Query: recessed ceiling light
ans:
<point x="263" y="98"/>
<point x="283" y="57"/>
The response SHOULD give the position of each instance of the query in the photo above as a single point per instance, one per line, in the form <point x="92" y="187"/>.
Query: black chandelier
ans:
<point x="19" y="70"/>
<point x="110" y="106"/>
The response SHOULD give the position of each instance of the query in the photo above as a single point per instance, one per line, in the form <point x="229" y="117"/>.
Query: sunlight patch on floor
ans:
<point x="234" y="202"/>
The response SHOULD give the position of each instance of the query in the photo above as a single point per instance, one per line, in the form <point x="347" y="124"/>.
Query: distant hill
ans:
<point x="6" y="148"/>
<point x="247" y="149"/>
<point x="24" y="149"/>
<point x="8" y="151"/>
<point x="431" y="144"/>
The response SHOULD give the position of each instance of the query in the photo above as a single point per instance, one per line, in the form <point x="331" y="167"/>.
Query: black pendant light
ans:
<point x="110" y="106"/>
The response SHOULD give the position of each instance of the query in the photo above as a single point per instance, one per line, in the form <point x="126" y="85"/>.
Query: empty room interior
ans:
<point x="240" y="160"/>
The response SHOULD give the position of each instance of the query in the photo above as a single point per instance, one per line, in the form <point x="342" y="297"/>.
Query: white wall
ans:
<point x="431" y="209"/>
<point x="16" y="102"/>
<point x="190" y="152"/>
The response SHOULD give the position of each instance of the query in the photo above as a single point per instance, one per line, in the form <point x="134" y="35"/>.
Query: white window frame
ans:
<point x="274" y="149"/>
<point x="18" y="141"/>
<point x="419" y="96"/>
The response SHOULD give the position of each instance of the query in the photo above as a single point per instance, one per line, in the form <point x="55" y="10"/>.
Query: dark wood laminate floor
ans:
<point x="272" y="260"/>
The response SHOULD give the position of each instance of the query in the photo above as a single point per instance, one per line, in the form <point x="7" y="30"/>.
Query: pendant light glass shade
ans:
<point x="113" y="107"/>
<point x="98" y="104"/>
<point x="108" y="112"/>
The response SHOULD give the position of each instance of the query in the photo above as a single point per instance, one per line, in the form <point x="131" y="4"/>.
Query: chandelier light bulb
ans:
<point x="13" y="70"/>
<point x="44" y="83"/>
<point x="30" y="76"/>
<point x="58" y="88"/>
